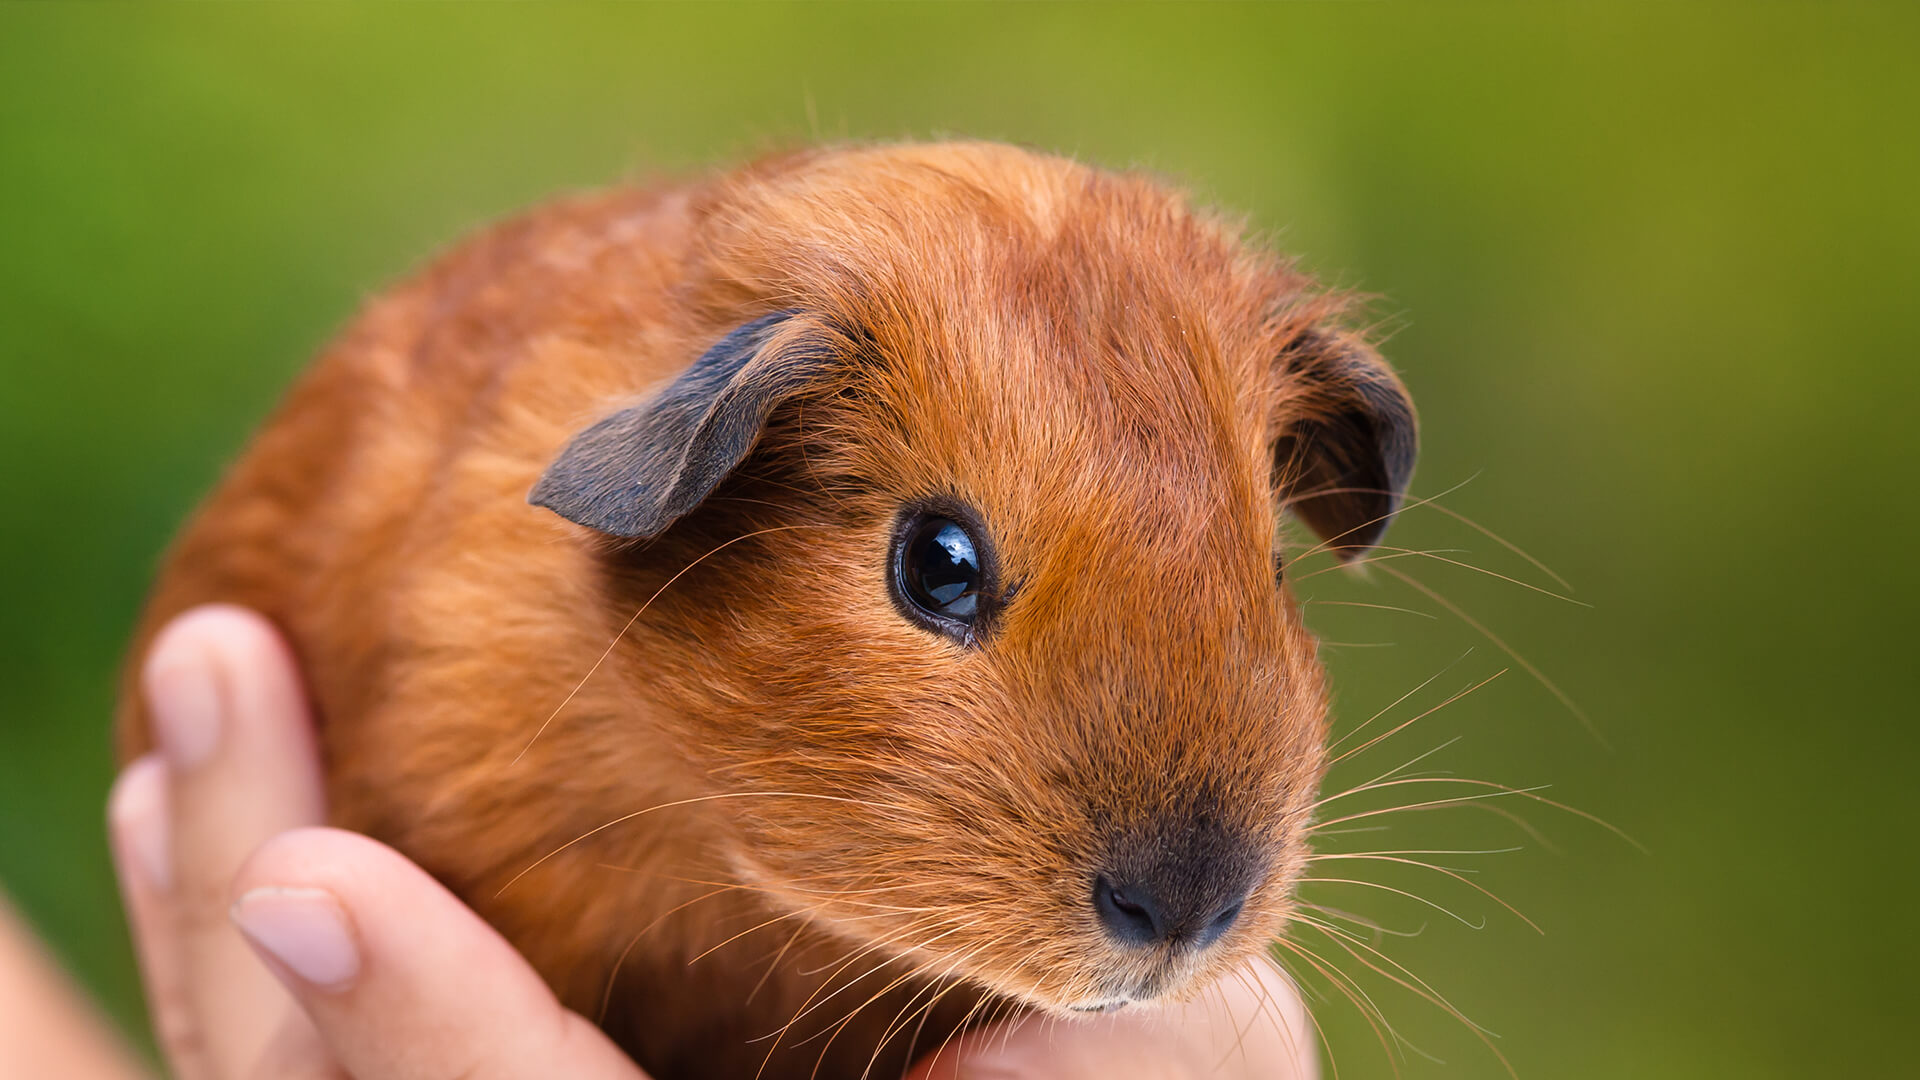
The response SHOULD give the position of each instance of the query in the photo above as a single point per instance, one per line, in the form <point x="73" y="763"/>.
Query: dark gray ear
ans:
<point x="1348" y="440"/>
<point x="639" y="470"/>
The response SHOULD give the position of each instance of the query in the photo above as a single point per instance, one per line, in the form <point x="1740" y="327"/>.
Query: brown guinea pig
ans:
<point x="840" y="598"/>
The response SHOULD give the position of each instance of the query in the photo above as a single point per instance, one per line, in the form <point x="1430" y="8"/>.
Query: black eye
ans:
<point x="940" y="569"/>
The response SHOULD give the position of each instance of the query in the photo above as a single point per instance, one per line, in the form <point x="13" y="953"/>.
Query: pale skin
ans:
<point x="272" y="947"/>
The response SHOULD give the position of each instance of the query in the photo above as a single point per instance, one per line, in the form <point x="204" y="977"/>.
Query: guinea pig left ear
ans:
<point x="1347" y="440"/>
<point x="643" y="468"/>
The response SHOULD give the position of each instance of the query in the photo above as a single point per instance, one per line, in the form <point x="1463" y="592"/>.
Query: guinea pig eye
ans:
<point x="940" y="569"/>
<point x="940" y="573"/>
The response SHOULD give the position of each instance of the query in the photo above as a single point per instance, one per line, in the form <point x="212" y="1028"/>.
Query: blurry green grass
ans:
<point x="1652" y="277"/>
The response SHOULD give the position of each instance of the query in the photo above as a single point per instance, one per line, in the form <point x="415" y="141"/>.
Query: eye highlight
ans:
<point x="941" y="571"/>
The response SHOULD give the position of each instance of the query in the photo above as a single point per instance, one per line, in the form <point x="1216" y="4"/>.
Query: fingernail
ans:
<point x="183" y="691"/>
<point x="137" y="816"/>
<point x="305" y="930"/>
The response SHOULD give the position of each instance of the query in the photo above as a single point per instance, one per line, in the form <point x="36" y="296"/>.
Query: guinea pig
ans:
<point x="816" y="608"/>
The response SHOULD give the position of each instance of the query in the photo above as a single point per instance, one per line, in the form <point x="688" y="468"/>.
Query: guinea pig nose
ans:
<point x="1131" y="917"/>
<point x="1139" y="914"/>
<point x="1221" y="922"/>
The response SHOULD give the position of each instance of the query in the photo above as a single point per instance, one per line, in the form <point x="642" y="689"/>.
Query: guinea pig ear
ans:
<point x="643" y="468"/>
<point x="1347" y="441"/>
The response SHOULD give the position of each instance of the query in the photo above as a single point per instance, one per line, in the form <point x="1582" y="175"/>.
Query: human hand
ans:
<point x="272" y="947"/>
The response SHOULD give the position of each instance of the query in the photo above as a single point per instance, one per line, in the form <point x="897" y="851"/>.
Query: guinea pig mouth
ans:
<point x="1135" y="990"/>
<point x="1149" y="991"/>
<point x="1103" y="1006"/>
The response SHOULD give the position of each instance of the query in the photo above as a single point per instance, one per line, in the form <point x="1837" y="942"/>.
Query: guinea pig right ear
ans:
<point x="1347" y="440"/>
<point x="641" y="469"/>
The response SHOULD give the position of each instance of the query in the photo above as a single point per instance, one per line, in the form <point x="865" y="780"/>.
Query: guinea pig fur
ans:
<point x="839" y="598"/>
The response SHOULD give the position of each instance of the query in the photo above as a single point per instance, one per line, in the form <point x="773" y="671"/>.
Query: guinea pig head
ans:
<point x="958" y="546"/>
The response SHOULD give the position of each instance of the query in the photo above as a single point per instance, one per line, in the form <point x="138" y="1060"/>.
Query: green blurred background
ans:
<point x="1651" y="274"/>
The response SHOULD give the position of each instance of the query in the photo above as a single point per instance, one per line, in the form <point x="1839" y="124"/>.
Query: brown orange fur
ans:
<point x="1080" y="356"/>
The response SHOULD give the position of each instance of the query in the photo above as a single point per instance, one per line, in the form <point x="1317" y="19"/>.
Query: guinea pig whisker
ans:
<point x="1335" y="745"/>
<point x="779" y="955"/>
<point x="1376" y="607"/>
<point x="1478" y="627"/>
<point x="1539" y="676"/>
<point x="1517" y="821"/>
<point x="815" y="1000"/>
<point x="771" y="481"/>
<point x="945" y="981"/>
<point x="1419" y="988"/>
<point x="834" y="1032"/>
<point x="1407" y="1046"/>
<point x="611" y="645"/>
<point x="966" y="1024"/>
<point x="1431" y="502"/>
<point x="811" y="1004"/>
<point x="938" y="986"/>
<point x="665" y="806"/>
<point x="1415" y="760"/>
<point x="1405" y="724"/>
<point x="1342" y="915"/>
<point x="1503" y="542"/>
<point x="1440" y="555"/>
<point x="920" y="1026"/>
<point x="1386" y="555"/>
<point x="1347" y="940"/>
<point x="746" y="499"/>
<point x="1280" y="1021"/>
<point x="1265" y="1008"/>
<point x="613" y="976"/>
<point x="1415" y="897"/>
<point x="828" y="875"/>
<point x="1416" y="851"/>
<point x="1499" y="790"/>
<point x="1330" y="542"/>
<point x="838" y="895"/>
<point x="1354" y="993"/>
<point x="1395" y="1044"/>
<point x="912" y="930"/>
<point x="1454" y="874"/>
<point x="1272" y="960"/>
<point x="814" y="910"/>
<point x="1000" y="1012"/>
<point x="802" y="913"/>
<point x="1239" y="1047"/>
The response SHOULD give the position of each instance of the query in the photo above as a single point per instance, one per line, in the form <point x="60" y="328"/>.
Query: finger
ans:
<point x="231" y="720"/>
<point x="46" y="1027"/>
<point x="400" y="977"/>
<point x="143" y="863"/>
<point x="297" y="1052"/>
<point x="1252" y="1024"/>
